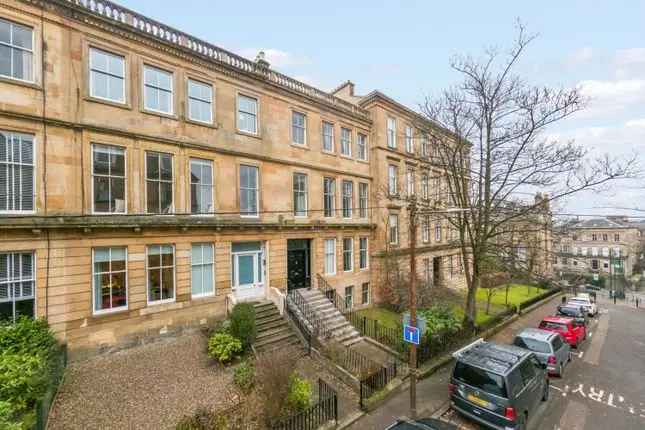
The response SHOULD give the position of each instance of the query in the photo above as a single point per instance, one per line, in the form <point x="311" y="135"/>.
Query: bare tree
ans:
<point x="489" y="136"/>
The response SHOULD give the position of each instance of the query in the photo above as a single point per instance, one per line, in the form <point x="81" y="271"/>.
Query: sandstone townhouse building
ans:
<point x="599" y="246"/>
<point x="149" y="179"/>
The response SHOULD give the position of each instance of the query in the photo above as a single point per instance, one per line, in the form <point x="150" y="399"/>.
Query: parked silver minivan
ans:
<point x="549" y="348"/>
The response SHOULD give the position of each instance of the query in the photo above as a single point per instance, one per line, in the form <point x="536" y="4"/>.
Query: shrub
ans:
<point x="440" y="318"/>
<point x="203" y="419"/>
<point x="7" y="415"/>
<point x="242" y="324"/>
<point x="273" y="376"/>
<point x="224" y="347"/>
<point x="299" y="397"/>
<point x="27" y="336"/>
<point x="244" y="376"/>
<point x="27" y="353"/>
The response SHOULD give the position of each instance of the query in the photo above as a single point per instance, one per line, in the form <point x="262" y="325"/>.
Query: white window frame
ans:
<point x="202" y="162"/>
<point x="12" y="47"/>
<point x="348" y="141"/>
<point x="425" y="153"/>
<point x="393" y="239"/>
<point x="410" y="183"/>
<point x="327" y="255"/>
<point x="391" y="132"/>
<point x="257" y="192"/>
<point x="94" y="71"/>
<point x="437" y="233"/>
<point x="10" y="281"/>
<point x="332" y="209"/>
<point x="294" y="114"/>
<point x="174" y="275"/>
<point x="347" y="211"/>
<point x="425" y="187"/>
<point x="349" y="298"/>
<point x="393" y="179"/>
<point x="109" y="176"/>
<point x="303" y="213"/>
<point x="127" y="292"/>
<point x="363" y="295"/>
<point x="193" y="264"/>
<point x="255" y="115"/>
<point x="425" y="230"/>
<point x="409" y="142"/>
<point x="331" y="136"/>
<point x="365" y="251"/>
<point x="10" y="136"/>
<point x="172" y="181"/>
<point x="363" y="200"/>
<point x="349" y="251"/>
<point x="171" y="90"/>
<point x="210" y="102"/>
<point x="361" y="146"/>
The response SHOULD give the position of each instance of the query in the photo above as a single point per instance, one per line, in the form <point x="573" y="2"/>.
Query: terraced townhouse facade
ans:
<point x="149" y="180"/>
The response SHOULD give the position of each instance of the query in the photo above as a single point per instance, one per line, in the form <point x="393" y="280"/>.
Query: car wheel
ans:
<point x="545" y="395"/>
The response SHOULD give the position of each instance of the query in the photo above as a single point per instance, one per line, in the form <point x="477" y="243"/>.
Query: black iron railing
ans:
<point x="376" y="382"/>
<point x="300" y="325"/>
<point x="330" y="292"/>
<point x="308" y="314"/>
<point x="323" y="411"/>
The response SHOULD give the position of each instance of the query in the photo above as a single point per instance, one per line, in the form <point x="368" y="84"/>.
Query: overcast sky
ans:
<point x="403" y="49"/>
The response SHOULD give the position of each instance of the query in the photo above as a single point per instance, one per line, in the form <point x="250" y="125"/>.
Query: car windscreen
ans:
<point x="556" y="343"/>
<point x="548" y="325"/>
<point x="480" y="378"/>
<point x="532" y="344"/>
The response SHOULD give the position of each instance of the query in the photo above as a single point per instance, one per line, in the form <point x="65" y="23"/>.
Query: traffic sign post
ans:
<point x="411" y="334"/>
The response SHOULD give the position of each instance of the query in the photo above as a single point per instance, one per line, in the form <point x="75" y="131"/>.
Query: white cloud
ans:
<point x="278" y="58"/>
<point x="629" y="62"/>
<point x="609" y="97"/>
<point x="581" y="56"/>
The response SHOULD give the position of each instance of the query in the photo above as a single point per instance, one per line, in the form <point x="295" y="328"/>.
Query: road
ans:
<point x="604" y="387"/>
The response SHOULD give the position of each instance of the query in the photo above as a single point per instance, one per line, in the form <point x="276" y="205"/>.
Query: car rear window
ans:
<point x="548" y="325"/>
<point x="569" y="311"/>
<point x="532" y="344"/>
<point x="557" y="343"/>
<point x="480" y="378"/>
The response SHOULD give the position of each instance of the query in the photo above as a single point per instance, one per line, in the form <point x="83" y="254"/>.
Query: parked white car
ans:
<point x="586" y="303"/>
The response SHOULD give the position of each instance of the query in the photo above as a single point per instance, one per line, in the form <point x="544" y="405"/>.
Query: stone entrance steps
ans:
<point x="333" y="321"/>
<point x="273" y="330"/>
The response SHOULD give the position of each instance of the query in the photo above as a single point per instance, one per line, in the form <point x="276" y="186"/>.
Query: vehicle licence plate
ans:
<point x="476" y="400"/>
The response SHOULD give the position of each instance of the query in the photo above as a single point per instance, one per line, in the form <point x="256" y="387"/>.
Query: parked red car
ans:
<point x="572" y="332"/>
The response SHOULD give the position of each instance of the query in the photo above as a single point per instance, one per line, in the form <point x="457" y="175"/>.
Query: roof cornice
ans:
<point x="108" y="15"/>
<point x="376" y="95"/>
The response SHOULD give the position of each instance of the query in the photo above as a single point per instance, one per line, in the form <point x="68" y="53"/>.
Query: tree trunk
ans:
<point x="470" y="313"/>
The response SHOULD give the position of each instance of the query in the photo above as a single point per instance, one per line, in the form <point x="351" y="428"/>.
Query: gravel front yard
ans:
<point x="153" y="386"/>
<point x="149" y="387"/>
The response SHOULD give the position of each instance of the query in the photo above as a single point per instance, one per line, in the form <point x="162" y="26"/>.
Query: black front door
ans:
<point x="298" y="273"/>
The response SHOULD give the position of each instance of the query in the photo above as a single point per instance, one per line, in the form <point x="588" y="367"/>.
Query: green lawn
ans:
<point x="517" y="294"/>
<point x="383" y="316"/>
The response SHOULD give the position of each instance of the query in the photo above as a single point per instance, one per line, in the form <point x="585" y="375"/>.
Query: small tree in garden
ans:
<point x="274" y="370"/>
<point x="224" y="347"/>
<point x="243" y="325"/>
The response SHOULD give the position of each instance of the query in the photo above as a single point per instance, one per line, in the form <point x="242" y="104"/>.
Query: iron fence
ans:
<point x="323" y="411"/>
<point x="375" y="382"/>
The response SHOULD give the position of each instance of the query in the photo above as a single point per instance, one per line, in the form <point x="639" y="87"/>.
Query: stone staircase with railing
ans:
<point x="273" y="329"/>
<point x="321" y="317"/>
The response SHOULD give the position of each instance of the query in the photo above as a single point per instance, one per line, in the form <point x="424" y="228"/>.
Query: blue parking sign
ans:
<point x="411" y="334"/>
